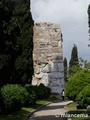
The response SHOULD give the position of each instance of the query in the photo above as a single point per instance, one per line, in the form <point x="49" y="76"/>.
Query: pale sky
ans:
<point x="73" y="19"/>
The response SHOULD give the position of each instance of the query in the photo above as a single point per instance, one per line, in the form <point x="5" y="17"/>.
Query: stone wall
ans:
<point x="47" y="56"/>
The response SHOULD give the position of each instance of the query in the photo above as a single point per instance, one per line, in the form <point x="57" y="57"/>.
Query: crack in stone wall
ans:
<point x="48" y="56"/>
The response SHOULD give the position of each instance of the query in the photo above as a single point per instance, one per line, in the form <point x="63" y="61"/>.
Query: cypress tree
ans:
<point x="7" y="42"/>
<point x="24" y="62"/>
<point x="74" y="57"/>
<point x="74" y="62"/>
<point x="16" y="42"/>
<point x="65" y="69"/>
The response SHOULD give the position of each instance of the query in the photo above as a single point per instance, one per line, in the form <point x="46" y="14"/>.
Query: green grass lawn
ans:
<point x="78" y="111"/>
<point x="72" y="105"/>
<point x="19" y="115"/>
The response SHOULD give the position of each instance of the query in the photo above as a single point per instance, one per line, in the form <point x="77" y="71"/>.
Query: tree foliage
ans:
<point x="74" y="56"/>
<point x="16" y="42"/>
<point x="65" y="69"/>
<point x="74" y="59"/>
<point x="12" y="98"/>
<point x="83" y="98"/>
<point x="77" y="82"/>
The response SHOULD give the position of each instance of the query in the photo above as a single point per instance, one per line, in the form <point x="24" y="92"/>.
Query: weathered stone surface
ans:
<point x="88" y="108"/>
<point x="47" y="56"/>
<point x="56" y="75"/>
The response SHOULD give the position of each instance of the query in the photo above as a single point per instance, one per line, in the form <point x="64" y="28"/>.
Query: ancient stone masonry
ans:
<point x="47" y="56"/>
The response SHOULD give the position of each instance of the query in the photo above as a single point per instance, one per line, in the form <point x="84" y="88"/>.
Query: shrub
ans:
<point x="44" y="91"/>
<point x="32" y="95"/>
<point x="40" y="91"/>
<point x="32" y="89"/>
<point x="83" y="99"/>
<point x="12" y="97"/>
<point x="76" y="83"/>
<point x="30" y="100"/>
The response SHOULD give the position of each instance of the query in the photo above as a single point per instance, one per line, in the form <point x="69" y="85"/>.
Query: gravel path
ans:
<point x="51" y="111"/>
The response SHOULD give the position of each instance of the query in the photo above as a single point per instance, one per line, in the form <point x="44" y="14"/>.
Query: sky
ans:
<point x="72" y="17"/>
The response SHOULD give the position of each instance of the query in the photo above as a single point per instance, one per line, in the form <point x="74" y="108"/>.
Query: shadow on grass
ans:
<point x="19" y="115"/>
<point x="15" y="116"/>
<point x="79" y="112"/>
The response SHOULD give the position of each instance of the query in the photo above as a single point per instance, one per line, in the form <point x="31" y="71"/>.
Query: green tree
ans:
<point x="83" y="98"/>
<point x="77" y="82"/>
<point x="7" y="45"/>
<point x="24" y="62"/>
<point x="65" y="69"/>
<point x="74" y="59"/>
<point x="16" y="42"/>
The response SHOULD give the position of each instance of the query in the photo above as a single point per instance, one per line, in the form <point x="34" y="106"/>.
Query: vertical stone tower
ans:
<point x="47" y="56"/>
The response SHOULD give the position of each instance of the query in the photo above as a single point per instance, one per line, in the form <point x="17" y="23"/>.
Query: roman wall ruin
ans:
<point x="48" y="56"/>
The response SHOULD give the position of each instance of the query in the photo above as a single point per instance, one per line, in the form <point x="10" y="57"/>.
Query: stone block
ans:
<point x="57" y="50"/>
<point x="58" y="67"/>
<point x="39" y="76"/>
<point x="46" y="69"/>
<point x="57" y="75"/>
